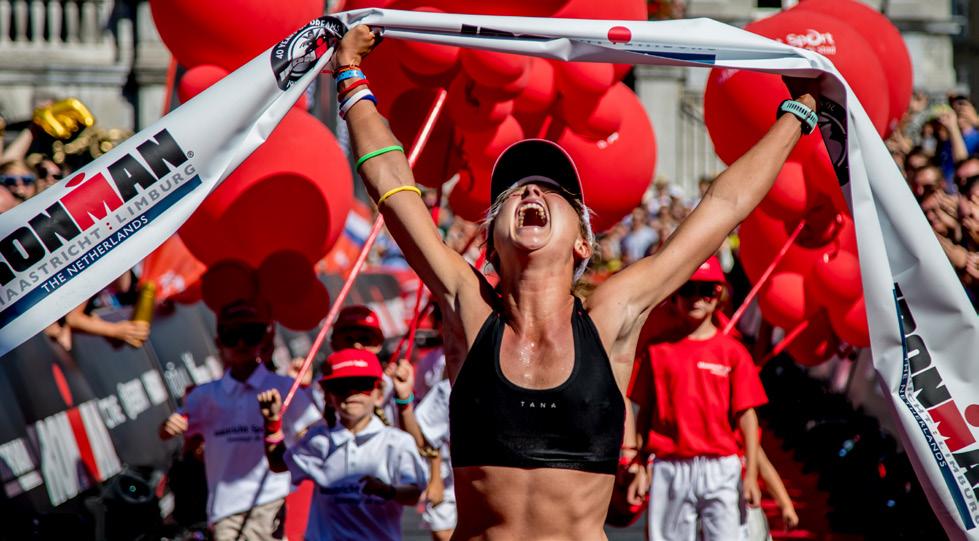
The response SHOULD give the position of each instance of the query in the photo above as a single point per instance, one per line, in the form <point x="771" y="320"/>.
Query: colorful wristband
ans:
<point x="378" y="152"/>
<point x="362" y="94"/>
<point x="271" y="427"/>
<point x="277" y="437"/>
<point x="393" y="191"/>
<point x="411" y="397"/>
<point x="348" y="67"/>
<point x="349" y="75"/>
<point x="341" y="94"/>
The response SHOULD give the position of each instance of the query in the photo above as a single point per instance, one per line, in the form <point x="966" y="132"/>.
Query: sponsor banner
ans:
<point x="924" y="332"/>
<point x="61" y="247"/>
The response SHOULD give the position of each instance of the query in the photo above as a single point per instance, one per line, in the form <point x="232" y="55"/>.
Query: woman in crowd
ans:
<point x="537" y="409"/>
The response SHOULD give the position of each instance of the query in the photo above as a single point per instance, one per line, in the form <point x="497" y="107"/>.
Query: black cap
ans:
<point x="535" y="157"/>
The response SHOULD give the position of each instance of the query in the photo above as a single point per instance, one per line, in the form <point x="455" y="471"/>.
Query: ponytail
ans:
<point x="380" y="415"/>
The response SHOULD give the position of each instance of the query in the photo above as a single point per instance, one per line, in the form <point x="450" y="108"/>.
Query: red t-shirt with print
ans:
<point x="689" y="391"/>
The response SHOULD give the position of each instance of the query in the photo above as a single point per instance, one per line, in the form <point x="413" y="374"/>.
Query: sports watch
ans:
<point x="807" y="116"/>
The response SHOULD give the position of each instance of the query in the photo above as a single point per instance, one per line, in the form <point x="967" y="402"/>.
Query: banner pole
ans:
<point x="786" y="341"/>
<point x="416" y="148"/>
<point x="764" y="278"/>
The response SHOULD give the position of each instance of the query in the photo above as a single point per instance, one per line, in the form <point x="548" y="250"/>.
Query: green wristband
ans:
<point x="406" y="401"/>
<point x="378" y="152"/>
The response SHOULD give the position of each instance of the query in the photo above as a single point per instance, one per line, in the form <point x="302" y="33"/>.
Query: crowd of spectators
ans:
<point x="936" y="146"/>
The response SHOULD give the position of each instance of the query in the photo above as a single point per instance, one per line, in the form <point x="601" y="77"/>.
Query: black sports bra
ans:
<point x="577" y="425"/>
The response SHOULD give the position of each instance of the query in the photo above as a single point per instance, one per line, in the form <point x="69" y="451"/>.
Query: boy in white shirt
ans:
<point x="245" y="500"/>
<point x="365" y="472"/>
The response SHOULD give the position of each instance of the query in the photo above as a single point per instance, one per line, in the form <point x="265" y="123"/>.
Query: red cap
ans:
<point x="709" y="271"/>
<point x="358" y="317"/>
<point x="352" y="363"/>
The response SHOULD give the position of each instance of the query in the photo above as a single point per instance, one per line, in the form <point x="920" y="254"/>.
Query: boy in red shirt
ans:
<point x="693" y="392"/>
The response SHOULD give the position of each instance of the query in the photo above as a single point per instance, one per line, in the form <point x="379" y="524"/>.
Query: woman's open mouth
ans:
<point x="531" y="214"/>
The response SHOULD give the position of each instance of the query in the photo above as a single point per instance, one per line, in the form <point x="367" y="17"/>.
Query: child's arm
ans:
<point x="748" y="423"/>
<point x="776" y="488"/>
<point x="270" y="404"/>
<point x="435" y="493"/>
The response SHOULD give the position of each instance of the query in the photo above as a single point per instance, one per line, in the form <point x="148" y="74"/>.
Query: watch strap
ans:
<point x="807" y="116"/>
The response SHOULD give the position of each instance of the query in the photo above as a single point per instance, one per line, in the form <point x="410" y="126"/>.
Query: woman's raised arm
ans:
<point x="622" y="302"/>
<point x="389" y="181"/>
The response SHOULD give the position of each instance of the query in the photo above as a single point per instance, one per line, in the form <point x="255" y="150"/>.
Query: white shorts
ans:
<point x="443" y="516"/>
<point x="704" y="488"/>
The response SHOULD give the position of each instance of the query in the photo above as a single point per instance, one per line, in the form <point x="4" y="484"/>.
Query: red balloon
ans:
<point x="387" y="78"/>
<point x="440" y="158"/>
<point x="584" y="79"/>
<point x="428" y="63"/>
<point x="483" y="148"/>
<point x="469" y="112"/>
<point x="227" y="281"/>
<point x="739" y="108"/>
<point x="850" y="323"/>
<point x="623" y="10"/>
<point x="615" y="172"/>
<point x="521" y="8"/>
<point x="789" y="198"/>
<point x="591" y="118"/>
<point x="539" y="93"/>
<point x="469" y="198"/>
<point x="274" y="201"/>
<point x="493" y="69"/>
<point x="837" y="278"/>
<point x="783" y="300"/>
<point x="229" y="33"/>
<point x="285" y="277"/>
<point x="308" y="312"/>
<point x="886" y="41"/>
<point x="847" y="49"/>
<point x="198" y="78"/>
<point x="503" y="92"/>
<point x="816" y="343"/>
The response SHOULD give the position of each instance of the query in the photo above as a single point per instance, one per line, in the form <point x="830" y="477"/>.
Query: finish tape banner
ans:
<point x="924" y="332"/>
<point x="64" y="245"/>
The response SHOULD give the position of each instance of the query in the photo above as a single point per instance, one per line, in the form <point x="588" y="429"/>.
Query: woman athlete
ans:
<point x="536" y="412"/>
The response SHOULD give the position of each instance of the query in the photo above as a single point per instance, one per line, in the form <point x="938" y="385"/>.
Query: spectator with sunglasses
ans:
<point x="17" y="177"/>
<point x="245" y="499"/>
<point x="365" y="472"/>
<point x="693" y="391"/>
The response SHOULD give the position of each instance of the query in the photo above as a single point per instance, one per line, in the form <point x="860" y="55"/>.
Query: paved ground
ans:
<point x="413" y="530"/>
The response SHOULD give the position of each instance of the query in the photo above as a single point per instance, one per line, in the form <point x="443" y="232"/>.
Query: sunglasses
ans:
<point x="251" y="334"/>
<point x="692" y="290"/>
<point x="13" y="180"/>
<point x="44" y="173"/>
<point x="349" y="386"/>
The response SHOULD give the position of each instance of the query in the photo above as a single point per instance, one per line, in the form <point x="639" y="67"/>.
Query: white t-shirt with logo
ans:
<point x="226" y="413"/>
<point x="336" y="460"/>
